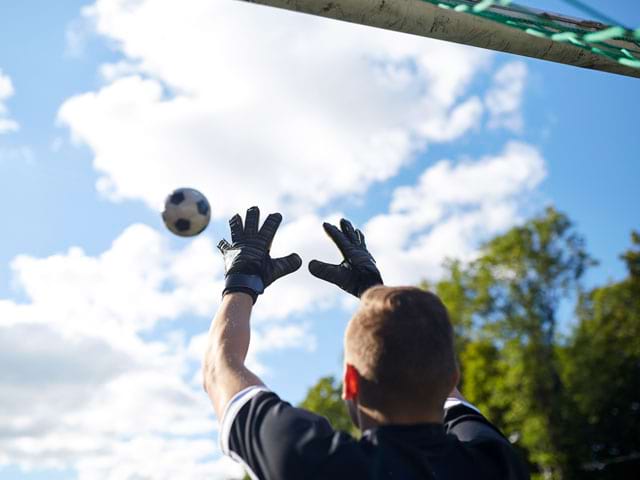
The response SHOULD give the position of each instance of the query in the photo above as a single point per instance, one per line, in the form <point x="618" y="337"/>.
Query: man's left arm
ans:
<point x="492" y="450"/>
<point x="249" y="269"/>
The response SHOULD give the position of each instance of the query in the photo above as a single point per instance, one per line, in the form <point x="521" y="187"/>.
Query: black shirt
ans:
<point x="276" y="441"/>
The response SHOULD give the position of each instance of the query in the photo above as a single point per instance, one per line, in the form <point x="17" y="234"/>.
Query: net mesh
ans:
<point x="609" y="39"/>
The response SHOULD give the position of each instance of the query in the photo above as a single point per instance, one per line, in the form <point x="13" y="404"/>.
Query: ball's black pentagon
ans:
<point x="177" y="198"/>
<point x="203" y="207"/>
<point x="182" y="225"/>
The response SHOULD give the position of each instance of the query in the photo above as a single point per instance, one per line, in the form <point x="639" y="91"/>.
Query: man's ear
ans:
<point x="456" y="377"/>
<point x="350" y="383"/>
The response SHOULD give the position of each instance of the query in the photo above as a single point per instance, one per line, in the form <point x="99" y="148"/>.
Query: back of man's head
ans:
<point x="401" y="343"/>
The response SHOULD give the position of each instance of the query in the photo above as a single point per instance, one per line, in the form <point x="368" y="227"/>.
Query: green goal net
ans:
<point x="610" y="39"/>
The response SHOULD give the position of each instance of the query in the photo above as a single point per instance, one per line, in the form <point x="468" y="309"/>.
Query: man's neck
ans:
<point x="372" y="418"/>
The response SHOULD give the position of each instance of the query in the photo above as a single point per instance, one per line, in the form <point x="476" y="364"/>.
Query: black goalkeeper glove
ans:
<point x="358" y="270"/>
<point x="248" y="266"/>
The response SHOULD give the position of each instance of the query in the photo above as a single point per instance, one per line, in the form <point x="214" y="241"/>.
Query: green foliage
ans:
<point x="569" y="405"/>
<point x="483" y="361"/>
<point x="324" y="398"/>
<point x="503" y="306"/>
<point x="601" y="369"/>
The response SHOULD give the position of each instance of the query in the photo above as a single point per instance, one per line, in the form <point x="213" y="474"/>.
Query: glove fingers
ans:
<point x="327" y="272"/>
<point x="223" y="246"/>
<point x="237" y="230"/>
<point x="347" y="229"/>
<point x="252" y="221"/>
<point x="339" y="238"/>
<point x="270" y="228"/>
<point x="286" y="265"/>
<point x="360" y="236"/>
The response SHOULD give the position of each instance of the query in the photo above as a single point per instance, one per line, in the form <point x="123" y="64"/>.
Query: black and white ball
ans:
<point x="186" y="212"/>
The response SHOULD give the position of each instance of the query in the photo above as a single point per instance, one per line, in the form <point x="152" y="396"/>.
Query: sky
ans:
<point x="106" y="107"/>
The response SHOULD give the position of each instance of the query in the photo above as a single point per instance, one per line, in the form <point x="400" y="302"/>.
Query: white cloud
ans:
<point x="249" y="103"/>
<point x="81" y="403"/>
<point x="6" y="86"/>
<point x="6" y="91"/>
<point x="504" y="99"/>
<point x="85" y="387"/>
<point x="464" y="117"/>
<point x="131" y="287"/>
<point x="264" y="339"/>
<point x="278" y="337"/>
<point x="77" y="35"/>
<point x="450" y="209"/>
<point x="151" y="457"/>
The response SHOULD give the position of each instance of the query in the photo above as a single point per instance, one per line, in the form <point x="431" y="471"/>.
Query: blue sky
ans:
<point x="412" y="139"/>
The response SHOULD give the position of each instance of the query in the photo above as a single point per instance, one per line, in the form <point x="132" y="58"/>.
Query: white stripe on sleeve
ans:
<point x="238" y="401"/>
<point x="452" y="402"/>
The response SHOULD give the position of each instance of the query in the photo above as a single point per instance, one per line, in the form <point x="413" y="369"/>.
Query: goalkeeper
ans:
<point x="400" y="377"/>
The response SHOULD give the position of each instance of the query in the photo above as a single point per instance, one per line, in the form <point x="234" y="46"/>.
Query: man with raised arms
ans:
<point x="400" y="377"/>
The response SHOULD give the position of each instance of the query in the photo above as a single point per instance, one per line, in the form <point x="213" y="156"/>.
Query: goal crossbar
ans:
<point x="420" y="17"/>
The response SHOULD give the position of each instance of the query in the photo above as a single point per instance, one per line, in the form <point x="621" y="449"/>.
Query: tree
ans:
<point x="601" y="371"/>
<point x="504" y="307"/>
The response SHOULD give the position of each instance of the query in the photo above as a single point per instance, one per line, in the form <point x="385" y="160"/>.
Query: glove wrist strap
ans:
<point x="239" y="282"/>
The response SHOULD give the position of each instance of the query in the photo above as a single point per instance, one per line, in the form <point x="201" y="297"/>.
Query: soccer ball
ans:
<point x="186" y="212"/>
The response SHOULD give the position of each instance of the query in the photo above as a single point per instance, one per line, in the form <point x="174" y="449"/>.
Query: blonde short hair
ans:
<point x="401" y="342"/>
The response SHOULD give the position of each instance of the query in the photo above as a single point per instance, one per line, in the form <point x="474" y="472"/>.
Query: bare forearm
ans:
<point x="224" y="370"/>
<point x="230" y="330"/>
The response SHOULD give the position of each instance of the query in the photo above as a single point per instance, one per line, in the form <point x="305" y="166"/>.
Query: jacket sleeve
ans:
<point x="272" y="439"/>
<point x="483" y="441"/>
